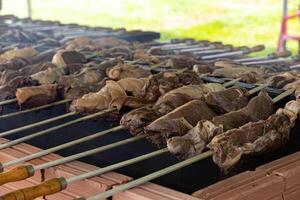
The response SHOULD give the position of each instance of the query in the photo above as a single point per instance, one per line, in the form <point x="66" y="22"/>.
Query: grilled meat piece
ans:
<point x="178" y="122"/>
<point x="184" y="94"/>
<point x="282" y="79"/>
<point x="8" y="90"/>
<point x="118" y="52"/>
<point x="27" y="52"/>
<point x="49" y="76"/>
<point x="247" y="73"/>
<point x="258" y="108"/>
<point x="145" y="56"/>
<point x="253" y="138"/>
<point x="181" y="61"/>
<point x="63" y="58"/>
<point x="14" y="64"/>
<point x="139" y="118"/>
<point x="159" y="84"/>
<point x="94" y="44"/>
<point x="93" y="102"/>
<point x="227" y="100"/>
<point x="122" y="70"/>
<point x="36" y="95"/>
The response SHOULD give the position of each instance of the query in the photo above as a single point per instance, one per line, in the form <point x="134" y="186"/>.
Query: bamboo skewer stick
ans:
<point x="43" y="132"/>
<point x="34" y="109"/>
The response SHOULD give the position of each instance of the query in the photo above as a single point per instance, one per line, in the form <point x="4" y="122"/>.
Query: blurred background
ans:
<point x="239" y="22"/>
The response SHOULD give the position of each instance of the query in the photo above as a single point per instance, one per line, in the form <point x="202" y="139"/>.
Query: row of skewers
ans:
<point x="171" y="82"/>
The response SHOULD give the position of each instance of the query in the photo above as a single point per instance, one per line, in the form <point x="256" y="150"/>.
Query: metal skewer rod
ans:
<point x="34" y="109"/>
<point x="257" y="89"/>
<point x="280" y="60"/>
<point x="149" y="177"/>
<point x="55" y="185"/>
<point x="283" y="54"/>
<point x="10" y="101"/>
<point x="23" y="172"/>
<point x="243" y="51"/>
<point x="43" y="132"/>
<point x="26" y="127"/>
<point x="232" y="82"/>
<point x="62" y="146"/>
<point x="283" y="95"/>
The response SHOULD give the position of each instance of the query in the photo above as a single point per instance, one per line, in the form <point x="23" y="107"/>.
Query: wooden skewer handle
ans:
<point x="51" y="186"/>
<point x="16" y="174"/>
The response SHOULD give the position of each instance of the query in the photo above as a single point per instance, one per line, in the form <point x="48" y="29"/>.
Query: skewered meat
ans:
<point x="14" y="64"/>
<point x="146" y="57"/>
<point x="203" y="68"/>
<point x="253" y="138"/>
<point x="248" y="73"/>
<point x="36" y="95"/>
<point x="118" y="52"/>
<point x="156" y="85"/>
<point x="63" y="58"/>
<point x="184" y="94"/>
<point x="282" y="79"/>
<point x="122" y="70"/>
<point x="8" y="90"/>
<point x="295" y="85"/>
<point x="137" y="119"/>
<point x="27" y="52"/>
<point x="49" y="76"/>
<point x="88" y="80"/>
<point x="181" y="61"/>
<point x="32" y="69"/>
<point x="94" y="44"/>
<point x="159" y="84"/>
<point x="101" y="100"/>
<point x="259" y="108"/>
<point x="228" y="100"/>
<point x="178" y="122"/>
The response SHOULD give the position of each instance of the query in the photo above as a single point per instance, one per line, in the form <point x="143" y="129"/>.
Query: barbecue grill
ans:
<point x="187" y="179"/>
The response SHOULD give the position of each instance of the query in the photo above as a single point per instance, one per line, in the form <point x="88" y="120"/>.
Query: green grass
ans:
<point x="239" y="22"/>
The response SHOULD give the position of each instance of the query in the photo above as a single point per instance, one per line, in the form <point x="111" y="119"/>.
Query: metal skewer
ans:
<point x="34" y="109"/>
<point x="242" y="51"/>
<point x="26" y="127"/>
<point x="60" y="147"/>
<point x="43" y="132"/>
<point x="270" y="56"/>
<point x="55" y="185"/>
<point x="29" y="170"/>
<point x="10" y="101"/>
<point x="151" y="176"/>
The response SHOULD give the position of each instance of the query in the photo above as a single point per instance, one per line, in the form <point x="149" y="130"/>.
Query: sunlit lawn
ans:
<point x="239" y="22"/>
